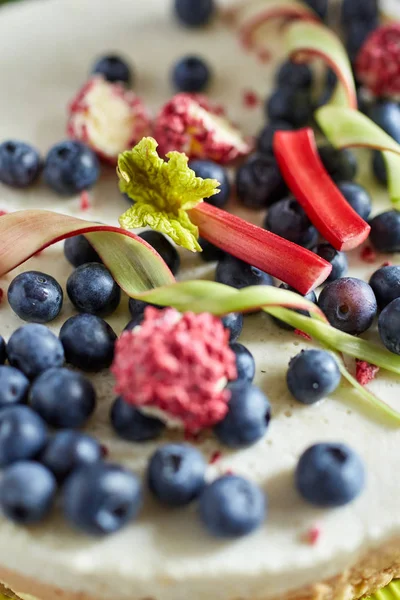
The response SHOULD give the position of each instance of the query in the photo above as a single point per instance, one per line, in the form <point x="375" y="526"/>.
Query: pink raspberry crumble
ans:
<point x="378" y="62"/>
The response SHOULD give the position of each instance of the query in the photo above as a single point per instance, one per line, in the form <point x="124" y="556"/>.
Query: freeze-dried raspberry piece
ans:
<point x="378" y="62"/>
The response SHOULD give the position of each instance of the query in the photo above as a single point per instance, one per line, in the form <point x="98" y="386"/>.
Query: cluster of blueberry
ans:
<point x="359" y="19"/>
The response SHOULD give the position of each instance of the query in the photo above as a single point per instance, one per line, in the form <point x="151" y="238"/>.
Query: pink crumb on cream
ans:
<point x="303" y="334"/>
<point x="85" y="203"/>
<point x="365" y="372"/>
<point x="368" y="255"/>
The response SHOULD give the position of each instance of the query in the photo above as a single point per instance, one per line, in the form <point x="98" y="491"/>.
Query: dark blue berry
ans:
<point x="35" y="296"/>
<point x="71" y="168"/>
<point x="360" y="10"/>
<point x="238" y="274"/>
<point x="234" y="322"/>
<point x="176" y="474"/>
<point x="311" y="297"/>
<point x="191" y="74"/>
<point x="337" y="259"/>
<point x="386" y="114"/>
<point x="100" y="499"/>
<point x="330" y="82"/>
<point x="232" y="507"/>
<point x="207" y="169"/>
<point x="248" y="417"/>
<point x="288" y="219"/>
<point x="70" y="450"/>
<point x="14" y="386"/>
<point x="88" y="342"/>
<point x="358" y="198"/>
<point x="265" y="140"/>
<point x="259" y="182"/>
<point x="319" y="6"/>
<point x="92" y="289"/>
<point x="291" y="105"/>
<point x="330" y="475"/>
<point x="23" y="434"/>
<point x="194" y="13"/>
<point x="389" y="326"/>
<point x="164" y="248"/>
<point x="355" y="35"/>
<point x="245" y="363"/>
<point x="137" y="307"/>
<point x="385" y="283"/>
<point x="312" y="375"/>
<point x="33" y="348"/>
<point x="210" y="253"/>
<point x="385" y="231"/>
<point x="79" y="251"/>
<point x="64" y="399"/>
<point x="130" y="424"/>
<point x="3" y="350"/>
<point x="134" y="322"/>
<point x="20" y="164"/>
<point x="294" y="75"/>
<point x="113" y="68"/>
<point x="349" y="305"/>
<point x="379" y="167"/>
<point x="340" y="164"/>
<point x="27" y="492"/>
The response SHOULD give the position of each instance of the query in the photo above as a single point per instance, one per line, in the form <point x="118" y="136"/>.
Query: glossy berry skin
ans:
<point x="245" y="363"/>
<point x="234" y="322"/>
<point x="191" y="74"/>
<point x="3" y="350"/>
<point x="389" y="326"/>
<point x="340" y="164"/>
<point x="88" y="342"/>
<point x="349" y="305"/>
<point x="20" y="164"/>
<point x="247" y="419"/>
<point x="71" y="168"/>
<point x="294" y="75"/>
<point x="238" y="274"/>
<point x="27" y="492"/>
<point x="113" y="68"/>
<point x="330" y="475"/>
<point x="33" y="349"/>
<point x="312" y="375"/>
<point x="176" y="474"/>
<point x="70" y="450"/>
<point x="194" y="13"/>
<point x="92" y="289"/>
<point x="358" y="198"/>
<point x="207" y="169"/>
<point x="310" y="296"/>
<point x="385" y="283"/>
<point x="265" y="138"/>
<point x="131" y="425"/>
<point x="259" y="182"/>
<point x="288" y="219"/>
<point x="210" y="253"/>
<point x="386" y="114"/>
<point x="165" y="249"/>
<point x="379" y="167"/>
<point x="385" y="231"/>
<point x="101" y="499"/>
<point x="290" y="105"/>
<point x="232" y="507"/>
<point x="337" y="259"/>
<point x="64" y="399"/>
<point x="14" y="386"/>
<point x="35" y="296"/>
<point x="23" y="434"/>
<point x="78" y="251"/>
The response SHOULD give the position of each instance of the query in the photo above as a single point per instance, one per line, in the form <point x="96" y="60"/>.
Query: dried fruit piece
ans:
<point x="378" y="63"/>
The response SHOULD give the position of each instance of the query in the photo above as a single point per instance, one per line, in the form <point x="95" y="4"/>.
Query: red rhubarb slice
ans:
<point x="303" y="171"/>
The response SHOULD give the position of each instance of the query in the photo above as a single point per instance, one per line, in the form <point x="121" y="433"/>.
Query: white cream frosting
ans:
<point x="47" y="48"/>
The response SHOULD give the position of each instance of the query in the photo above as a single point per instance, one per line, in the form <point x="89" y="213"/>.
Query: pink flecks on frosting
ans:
<point x="378" y="62"/>
<point x="215" y="457"/>
<point x="251" y="99"/>
<point x="108" y="118"/>
<point x="176" y="366"/>
<point x="313" y="535"/>
<point x="191" y="124"/>
<point x="85" y="201"/>
<point x="365" y="372"/>
<point x="368" y="255"/>
<point x="3" y="212"/>
<point x="264" y="56"/>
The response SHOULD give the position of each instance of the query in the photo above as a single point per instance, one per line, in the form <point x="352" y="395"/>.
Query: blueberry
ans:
<point x="389" y="326"/>
<point x="3" y="350"/>
<point x="312" y="375"/>
<point x="386" y="114"/>
<point x="33" y="348"/>
<point x="385" y="283"/>
<point x="79" y="251"/>
<point x="245" y="363"/>
<point x="22" y="434"/>
<point x="358" y="198"/>
<point x="70" y="450"/>
<point x="340" y="164"/>
<point x="379" y="167"/>
<point x="63" y="398"/>
<point x="137" y="307"/>
<point x="210" y="253"/>
<point x="164" y="248"/>
<point x="259" y="182"/>
<point x="92" y="289"/>
<point x="238" y="274"/>
<point x="14" y="386"/>
<point x="234" y="322"/>
<point x="134" y="322"/>
<point x="176" y="474"/>
<point x="330" y="82"/>
<point x="113" y="68"/>
<point x="319" y="6"/>
<point x="248" y="417"/>
<point x="330" y="475"/>
<point x="349" y="305"/>
<point x="385" y="231"/>
<point x="287" y="219"/>
<point x="71" y="168"/>
<point x="232" y="507"/>
<point x="191" y="74"/>
<point x="310" y="296"/>
<point x="35" y="296"/>
<point x="130" y="424"/>
<point x="360" y="10"/>
<point x="101" y="499"/>
<point x="294" y="75"/>
<point x="207" y="169"/>
<point x="290" y="105"/>
<point x="27" y="492"/>
<point x="194" y="13"/>
<point x="356" y="34"/>
<point x="337" y="259"/>
<point x="88" y="342"/>
<point x="265" y="140"/>
<point x="20" y="164"/>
